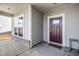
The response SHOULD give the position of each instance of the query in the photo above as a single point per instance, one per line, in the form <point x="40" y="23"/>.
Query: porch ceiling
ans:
<point x="43" y="7"/>
<point x="13" y="8"/>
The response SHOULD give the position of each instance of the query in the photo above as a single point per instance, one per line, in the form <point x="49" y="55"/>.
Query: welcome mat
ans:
<point x="54" y="45"/>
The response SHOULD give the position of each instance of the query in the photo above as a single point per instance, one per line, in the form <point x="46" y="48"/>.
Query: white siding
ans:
<point x="37" y="27"/>
<point x="71" y="22"/>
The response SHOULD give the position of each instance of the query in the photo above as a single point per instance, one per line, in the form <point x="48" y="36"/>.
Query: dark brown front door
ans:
<point x="55" y="29"/>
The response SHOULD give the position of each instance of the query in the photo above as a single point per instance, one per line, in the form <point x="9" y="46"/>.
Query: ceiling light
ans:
<point x="54" y="3"/>
<point x="8" y="8"/>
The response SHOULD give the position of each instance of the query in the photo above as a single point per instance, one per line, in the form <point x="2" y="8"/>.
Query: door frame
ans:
<point x="63" y="29"/>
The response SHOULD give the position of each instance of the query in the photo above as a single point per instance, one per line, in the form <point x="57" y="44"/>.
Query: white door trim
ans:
<point x="63" y="28"/>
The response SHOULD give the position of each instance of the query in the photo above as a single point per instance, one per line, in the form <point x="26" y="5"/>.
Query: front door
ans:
<point x="55" y="30"/>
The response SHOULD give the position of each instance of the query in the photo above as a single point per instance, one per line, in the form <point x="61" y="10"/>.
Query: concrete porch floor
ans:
<point x="44" y="50"/>
<point x="20" y="47"/>
<point x="13" y="46"/>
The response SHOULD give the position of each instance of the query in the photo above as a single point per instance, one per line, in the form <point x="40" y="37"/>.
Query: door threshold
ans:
<point x="57" y="45"/>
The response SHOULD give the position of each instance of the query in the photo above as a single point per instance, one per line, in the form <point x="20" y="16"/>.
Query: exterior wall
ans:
<point x="37" y="27"/>
<point x="71" y="22"/>
<point x="26" y="22"/>
<point x="33" y="25"/>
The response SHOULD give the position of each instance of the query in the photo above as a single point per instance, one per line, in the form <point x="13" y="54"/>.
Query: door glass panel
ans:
<point x="55" y="21"/>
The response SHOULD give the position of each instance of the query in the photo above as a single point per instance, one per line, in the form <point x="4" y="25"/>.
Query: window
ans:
<point x="5" y="24"/>
<point x="55" y="21"/>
